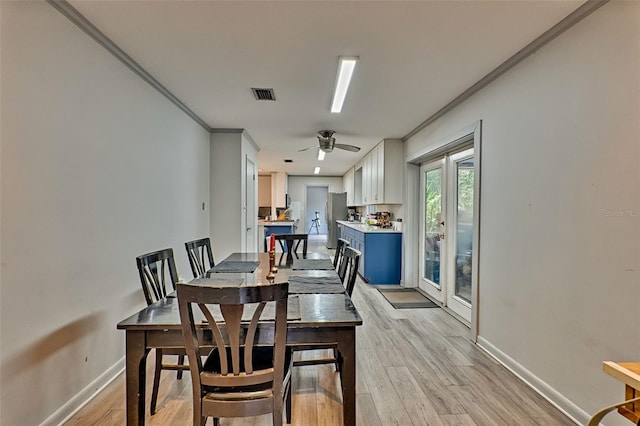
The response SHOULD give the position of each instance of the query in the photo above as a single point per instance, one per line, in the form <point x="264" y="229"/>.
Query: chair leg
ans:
<point x="339" y="368"/>
<point x="277" y="414"/>
<point x="180" y="362"/>
<point x="335" y="356"/>
<point x="156" y="381"/>
<point x="288" y="398"/>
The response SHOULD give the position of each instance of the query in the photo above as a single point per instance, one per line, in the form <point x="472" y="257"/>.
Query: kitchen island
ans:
<point x="268" y="227"/>
<point x="381" y="249"/>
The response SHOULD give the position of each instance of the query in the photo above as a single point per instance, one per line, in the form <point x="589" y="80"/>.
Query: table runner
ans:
<point x="309" y="264"/>
<point x="315" y="285"/>
<point x="242" y="266"/>
<point x="214" y="281"/>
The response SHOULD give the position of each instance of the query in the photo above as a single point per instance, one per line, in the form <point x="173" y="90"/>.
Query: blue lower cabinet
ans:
<point x="381" y="260"/>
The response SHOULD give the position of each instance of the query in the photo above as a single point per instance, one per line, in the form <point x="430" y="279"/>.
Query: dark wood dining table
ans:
<point x="324" y="319"/>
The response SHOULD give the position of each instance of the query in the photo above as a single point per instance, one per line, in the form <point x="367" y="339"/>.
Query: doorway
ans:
<point x="448" y="207"/>
<point x="315" y="210"/>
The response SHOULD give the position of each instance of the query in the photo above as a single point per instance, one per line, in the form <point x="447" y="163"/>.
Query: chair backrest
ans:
<point x="342" y="244"/>
<point x="200" y="256"/>
<point x="155" y="269"/>
<point x="349" y="268"/>
<point x="294" y="240"/>
<point x="289" y="243"/>
<point x="236" y="364"/>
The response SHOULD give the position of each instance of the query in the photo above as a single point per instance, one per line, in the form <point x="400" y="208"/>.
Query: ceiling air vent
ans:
<point x="263" y="94"/>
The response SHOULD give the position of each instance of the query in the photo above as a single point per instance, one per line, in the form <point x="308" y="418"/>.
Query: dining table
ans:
<point x="325" y="316"/>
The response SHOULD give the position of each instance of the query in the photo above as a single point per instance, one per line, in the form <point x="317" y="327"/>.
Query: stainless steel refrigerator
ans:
<point x="336" y="210"/>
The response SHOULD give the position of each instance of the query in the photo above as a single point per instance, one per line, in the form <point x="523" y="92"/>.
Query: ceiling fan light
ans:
<point x="345" y="72"/>
<point x="321" y="154"/>
<point x="316" y="171"/>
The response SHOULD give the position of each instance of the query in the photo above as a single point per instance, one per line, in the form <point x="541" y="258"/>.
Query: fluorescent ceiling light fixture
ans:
<point x="316" y="170"/>
<point x="345" y="71"/>
<point x="321" y="154"/>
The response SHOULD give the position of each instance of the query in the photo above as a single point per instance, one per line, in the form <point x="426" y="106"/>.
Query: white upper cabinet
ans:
<point x="382" y="173"/>
<point x="348" y="186"/>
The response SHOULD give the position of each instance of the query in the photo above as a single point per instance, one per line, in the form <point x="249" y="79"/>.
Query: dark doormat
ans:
<point x="406" y="298"/>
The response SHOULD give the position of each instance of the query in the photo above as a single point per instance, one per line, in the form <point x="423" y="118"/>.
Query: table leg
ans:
<point x="347" y="349"/>
<point x="136" y="369"/>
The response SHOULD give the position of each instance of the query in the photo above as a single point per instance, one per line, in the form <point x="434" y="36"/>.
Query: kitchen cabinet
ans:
<point x="366" y="180"/>
<point x="381" y="259"/>
<point x="382" y="174"/>
<point x="348" y="186"/>
<point x="264" y="191"/>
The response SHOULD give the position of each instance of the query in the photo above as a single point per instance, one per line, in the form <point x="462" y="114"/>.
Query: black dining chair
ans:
<point x="342" y="243"/>
<point x="348" y="269"/>
<point x="200" y="256"/>
<point x="238" y="378"/>
<point x="349" y="266"/>
<point x="157" y="270"/>
<point x="290" y="243"/>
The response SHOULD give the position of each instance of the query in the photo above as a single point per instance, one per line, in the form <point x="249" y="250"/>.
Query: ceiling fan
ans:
<point x="327" y="142"/>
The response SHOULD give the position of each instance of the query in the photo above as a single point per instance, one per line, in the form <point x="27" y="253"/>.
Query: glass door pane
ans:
<point x="432" y="225"/>
<point x="464" y="228"/>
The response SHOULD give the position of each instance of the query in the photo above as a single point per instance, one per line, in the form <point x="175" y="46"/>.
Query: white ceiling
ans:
<point x="415" y="57"/>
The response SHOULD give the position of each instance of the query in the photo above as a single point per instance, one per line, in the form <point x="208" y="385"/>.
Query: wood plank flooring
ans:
<point x="414" y="367"/>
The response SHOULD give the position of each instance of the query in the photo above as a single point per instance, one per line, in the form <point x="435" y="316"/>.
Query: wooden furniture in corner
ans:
<point x="629" y="374"/>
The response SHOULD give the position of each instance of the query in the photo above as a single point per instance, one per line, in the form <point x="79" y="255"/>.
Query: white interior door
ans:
<point x="446" y="243"/>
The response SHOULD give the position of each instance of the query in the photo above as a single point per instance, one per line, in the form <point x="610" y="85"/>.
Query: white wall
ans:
<point x="559" y="280"/>
<point x="297" y="186"/>
<point x="229" y="151"/>
<point x="97" y="168"/>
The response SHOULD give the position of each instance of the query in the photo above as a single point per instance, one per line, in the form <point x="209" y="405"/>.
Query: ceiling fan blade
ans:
<point x="307" y="148"/>
<point x="351" y="148"/>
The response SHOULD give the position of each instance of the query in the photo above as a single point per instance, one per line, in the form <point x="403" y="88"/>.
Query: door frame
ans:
<point x="323" y="219"/>
<point x="466" y="137"/>
<point x="452" y="220"/>
<point x="250" y="206"/>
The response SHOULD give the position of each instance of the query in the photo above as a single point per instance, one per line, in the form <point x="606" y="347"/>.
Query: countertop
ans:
<point x="358" y="226"/>
<point x="276" y="222"/>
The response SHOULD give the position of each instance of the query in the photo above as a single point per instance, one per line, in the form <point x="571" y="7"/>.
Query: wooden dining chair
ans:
<point x="157" y="270"/>
<point x="200" y="256"/>
<point x="238" y="378"/>
<point x="342" y="243"/>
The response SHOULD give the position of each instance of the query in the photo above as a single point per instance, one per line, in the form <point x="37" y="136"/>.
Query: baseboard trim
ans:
<point x="562" y="403"/>
<point x="82" y="398"/>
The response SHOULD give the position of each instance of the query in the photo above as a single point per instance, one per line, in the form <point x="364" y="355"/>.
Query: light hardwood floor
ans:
<point x="414" y="367"/>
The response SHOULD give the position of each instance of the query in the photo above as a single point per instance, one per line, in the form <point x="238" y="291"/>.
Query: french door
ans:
<point x="446" y="229"/>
